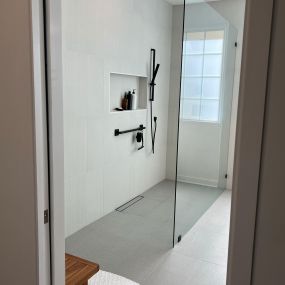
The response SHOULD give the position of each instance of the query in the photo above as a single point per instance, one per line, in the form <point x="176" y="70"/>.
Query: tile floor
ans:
<point x="139" y="245"/>
<point x="192" y="201"/>
<point x="201" y="257"/>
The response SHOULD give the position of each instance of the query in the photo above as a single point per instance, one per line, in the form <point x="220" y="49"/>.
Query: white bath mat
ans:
<point x="106" y="278"/>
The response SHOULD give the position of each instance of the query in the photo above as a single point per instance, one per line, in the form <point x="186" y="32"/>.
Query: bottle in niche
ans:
<point x="135" y="100"/>
<point x="130" y="100"/>
<point x="125" y="102"/>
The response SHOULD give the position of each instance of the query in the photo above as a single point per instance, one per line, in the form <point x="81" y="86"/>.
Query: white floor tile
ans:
<point x="208" y="274"/>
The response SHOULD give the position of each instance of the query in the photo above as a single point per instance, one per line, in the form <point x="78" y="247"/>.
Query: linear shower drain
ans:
<point x="129" y="204"/>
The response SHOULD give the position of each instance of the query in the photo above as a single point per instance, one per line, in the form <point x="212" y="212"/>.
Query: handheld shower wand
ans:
<point x="154" y="74"/>
<point x="155" y="68"/>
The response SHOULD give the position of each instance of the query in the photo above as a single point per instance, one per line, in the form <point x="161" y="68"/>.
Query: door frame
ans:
<point x="248" y="140"/>
<point x="41" y="142"/>
<point x="249" y="137"/>
<point x="53" y="44"/>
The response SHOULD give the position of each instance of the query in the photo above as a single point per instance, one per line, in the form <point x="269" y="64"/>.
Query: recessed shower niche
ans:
<point x="121" y="84"/>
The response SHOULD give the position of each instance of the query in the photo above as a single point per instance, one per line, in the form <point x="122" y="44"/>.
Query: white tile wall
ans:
<point x="99" y="37"/>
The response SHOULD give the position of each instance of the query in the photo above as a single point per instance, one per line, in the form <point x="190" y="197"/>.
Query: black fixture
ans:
<point x="117" y="132"/>
<point x="139" y="138"/>
<point x="152" y="84"/>
<point x="154" y="71"/>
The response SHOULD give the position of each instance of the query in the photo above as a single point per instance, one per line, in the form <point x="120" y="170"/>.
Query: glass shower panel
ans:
<point x="207" y="78"/>
<point x="212" y="65"/>
<point x="119" y="201"/>
<point x="214" y="42"/>
<point x="209" y="110"/>
<point x="192" y="87"/>
<point x="196" y="63"/>
<point x="211" y="88"/>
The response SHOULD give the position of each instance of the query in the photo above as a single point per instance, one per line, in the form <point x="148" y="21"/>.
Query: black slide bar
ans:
<point x="118" y="132"/>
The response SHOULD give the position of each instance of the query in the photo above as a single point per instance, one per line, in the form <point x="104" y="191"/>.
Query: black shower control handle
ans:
<point x="139" y="138"/>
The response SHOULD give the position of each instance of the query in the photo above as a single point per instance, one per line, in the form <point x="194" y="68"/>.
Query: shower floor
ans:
<point x="134" y="242"/>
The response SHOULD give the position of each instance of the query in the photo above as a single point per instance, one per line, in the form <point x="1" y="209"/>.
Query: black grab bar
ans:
<point x="117" y="132"/>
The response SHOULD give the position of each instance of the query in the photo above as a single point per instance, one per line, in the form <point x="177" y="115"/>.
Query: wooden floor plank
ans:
<point x="78" y="271"/>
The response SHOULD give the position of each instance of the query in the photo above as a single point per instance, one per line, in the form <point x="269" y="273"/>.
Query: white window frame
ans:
<point x="220" y="115"/>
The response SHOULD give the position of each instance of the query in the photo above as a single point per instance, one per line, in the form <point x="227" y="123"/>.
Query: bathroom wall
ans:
<point x="199" y="153"/>
<point x="269" y="250"/>
<point x="19" y="250"/>
<point x="102" y="37"/>
<point x="202" y="156"/>
<point x="177" y="31"/>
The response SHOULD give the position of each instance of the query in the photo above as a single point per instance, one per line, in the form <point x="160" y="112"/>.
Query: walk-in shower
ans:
<point x="148" y="91"/>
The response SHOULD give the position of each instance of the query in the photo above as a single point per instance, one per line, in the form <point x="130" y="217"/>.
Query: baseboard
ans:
<point x="198" y="181"/>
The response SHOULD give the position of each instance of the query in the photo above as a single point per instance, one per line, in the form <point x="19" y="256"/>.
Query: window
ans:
<point x="202" y="75"/>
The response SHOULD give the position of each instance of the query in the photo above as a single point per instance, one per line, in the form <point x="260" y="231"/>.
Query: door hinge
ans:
<point x="46" y="216"/>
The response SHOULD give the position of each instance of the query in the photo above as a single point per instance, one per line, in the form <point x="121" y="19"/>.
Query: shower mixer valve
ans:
<point x="139" y="138"/>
